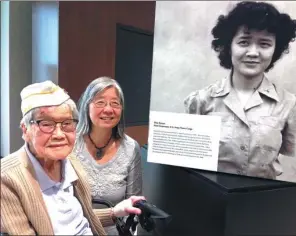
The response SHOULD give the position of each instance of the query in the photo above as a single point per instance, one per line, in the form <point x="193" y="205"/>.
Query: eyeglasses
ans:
<point x="48" y="126"/>
<point x="103" y="103"/>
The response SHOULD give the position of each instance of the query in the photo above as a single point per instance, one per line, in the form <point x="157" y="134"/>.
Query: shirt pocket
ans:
<point x="226" y="125"/>
<point x="269" y="135"/>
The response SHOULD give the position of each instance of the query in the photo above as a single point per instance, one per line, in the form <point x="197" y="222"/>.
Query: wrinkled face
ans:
<point x="105" y="109"/>
<point x="56" y="145"/>
<point x="251" y="52"/>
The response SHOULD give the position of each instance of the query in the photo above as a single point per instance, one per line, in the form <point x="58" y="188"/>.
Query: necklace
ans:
<point x="99" y="152"/>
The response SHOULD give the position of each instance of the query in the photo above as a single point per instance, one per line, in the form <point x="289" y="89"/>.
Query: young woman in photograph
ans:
<point x="258" y="118"/>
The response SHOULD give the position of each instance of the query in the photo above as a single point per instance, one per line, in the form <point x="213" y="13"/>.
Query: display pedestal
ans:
<point x="216" y="204"/>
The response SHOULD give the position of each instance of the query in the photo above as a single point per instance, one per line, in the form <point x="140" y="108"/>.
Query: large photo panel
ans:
<point x="239" y="120"/>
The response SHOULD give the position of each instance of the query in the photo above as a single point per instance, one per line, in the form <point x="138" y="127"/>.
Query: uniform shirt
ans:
<point x="63" y="207"/>
<point x="251" y="137"/>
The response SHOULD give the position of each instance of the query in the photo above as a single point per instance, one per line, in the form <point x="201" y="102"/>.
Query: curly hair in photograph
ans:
<point x="254" y="16"/>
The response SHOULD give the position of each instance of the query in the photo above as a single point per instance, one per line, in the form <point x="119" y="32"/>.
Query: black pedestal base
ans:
<point x="217" y="204"/>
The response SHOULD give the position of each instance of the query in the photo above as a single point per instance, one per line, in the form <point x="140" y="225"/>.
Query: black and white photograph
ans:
<point x="235" y="60"/>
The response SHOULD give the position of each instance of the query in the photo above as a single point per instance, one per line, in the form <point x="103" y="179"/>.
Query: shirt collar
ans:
<point x="224" y="87"/>
<point x="68" y="173"/>
<point x="267" y="88"/>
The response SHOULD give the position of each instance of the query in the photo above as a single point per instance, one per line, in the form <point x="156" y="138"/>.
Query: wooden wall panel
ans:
<point x="87" y="42"/>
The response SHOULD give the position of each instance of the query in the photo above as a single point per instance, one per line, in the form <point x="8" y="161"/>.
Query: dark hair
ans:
<point x="254" y="16"/>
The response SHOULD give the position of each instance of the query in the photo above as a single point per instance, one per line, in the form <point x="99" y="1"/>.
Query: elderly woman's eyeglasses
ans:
<point x="103" y="103"/>
<point x="48" y="126"/>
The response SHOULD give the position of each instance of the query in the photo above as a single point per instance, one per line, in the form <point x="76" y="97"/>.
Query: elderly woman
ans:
<point x="43" y="189"/>
<point x="110" y="157"/>
<point x="258" y="117"/>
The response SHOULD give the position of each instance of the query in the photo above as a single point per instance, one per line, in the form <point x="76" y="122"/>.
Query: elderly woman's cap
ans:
<point x="42" y="94"/>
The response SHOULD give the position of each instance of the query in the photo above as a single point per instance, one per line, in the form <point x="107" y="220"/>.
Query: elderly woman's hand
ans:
<point x="125" y="207"/>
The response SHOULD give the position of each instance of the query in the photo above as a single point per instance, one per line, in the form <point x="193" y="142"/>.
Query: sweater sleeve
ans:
<point x="105" y="216"/>
<point x="13" y="218"/>
<point x="134" y="178"/>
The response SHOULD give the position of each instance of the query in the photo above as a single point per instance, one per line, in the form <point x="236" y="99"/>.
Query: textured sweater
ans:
<point x="120" y="177"/>
<point x="23" y="210"/>
<point x="116" y="180"/>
